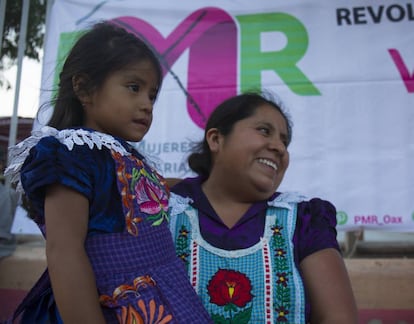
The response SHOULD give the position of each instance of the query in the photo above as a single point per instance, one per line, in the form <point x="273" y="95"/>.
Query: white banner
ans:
<point x="344" y="69"/>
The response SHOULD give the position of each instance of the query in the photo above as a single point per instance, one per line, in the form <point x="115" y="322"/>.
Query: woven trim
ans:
<point x="68" y="137"/>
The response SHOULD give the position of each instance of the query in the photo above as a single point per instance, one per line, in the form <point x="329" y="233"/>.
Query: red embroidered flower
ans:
<point x="230" y="287"/>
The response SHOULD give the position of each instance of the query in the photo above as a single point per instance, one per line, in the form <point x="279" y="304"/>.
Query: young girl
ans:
<point x="101" y="207"/>
<point x="255" y="255"/>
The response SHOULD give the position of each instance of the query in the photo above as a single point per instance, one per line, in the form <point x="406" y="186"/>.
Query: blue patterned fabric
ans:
<point x="314" y="229"/>
<point x="260" y="284"/>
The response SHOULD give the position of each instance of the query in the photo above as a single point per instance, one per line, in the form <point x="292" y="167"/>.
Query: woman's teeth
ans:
<point x="269" y="163"/>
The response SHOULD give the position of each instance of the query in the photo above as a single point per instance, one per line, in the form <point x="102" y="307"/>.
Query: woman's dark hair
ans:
<point x="224" y="117"/>
<point x="100" y="51"/>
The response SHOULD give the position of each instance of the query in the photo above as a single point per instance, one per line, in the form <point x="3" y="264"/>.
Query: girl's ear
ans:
<point x="79" y="88"/>
<point x="213" y="138"/>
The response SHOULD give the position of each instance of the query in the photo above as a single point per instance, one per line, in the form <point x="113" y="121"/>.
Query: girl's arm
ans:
<point x="329" y="288"/>
<point x="71" y="274"/>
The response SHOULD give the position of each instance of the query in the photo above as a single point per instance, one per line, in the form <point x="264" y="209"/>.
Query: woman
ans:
<point x="255" y="255"/>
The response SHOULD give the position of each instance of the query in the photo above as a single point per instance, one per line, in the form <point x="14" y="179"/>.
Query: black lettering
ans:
<point x="400" y="13"/>
<point x="410" y="12"/>
<point x="359" y="13"/>
<point x="343" y="15"/>
<point x="376" y="16"/>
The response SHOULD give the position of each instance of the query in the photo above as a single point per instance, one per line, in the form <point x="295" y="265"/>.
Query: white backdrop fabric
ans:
<point x="345" y="71"/>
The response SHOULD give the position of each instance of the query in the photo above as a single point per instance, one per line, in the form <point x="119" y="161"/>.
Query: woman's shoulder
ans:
<point x="315" y="228"/>
<point x="284" y="199"/>
<point x="303" y="201"/>
<point x="318" y="210"/>
<point x="311" y="212"/>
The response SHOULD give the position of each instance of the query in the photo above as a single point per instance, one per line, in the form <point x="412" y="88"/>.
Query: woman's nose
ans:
<point x="277" y="144"/>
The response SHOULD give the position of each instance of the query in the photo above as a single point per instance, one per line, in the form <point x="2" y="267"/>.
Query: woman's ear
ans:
<point x="213" y="138"/>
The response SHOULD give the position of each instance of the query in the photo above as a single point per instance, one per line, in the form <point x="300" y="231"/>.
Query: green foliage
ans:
<point x="11" y="31"/>
<point x="35" y="29"/>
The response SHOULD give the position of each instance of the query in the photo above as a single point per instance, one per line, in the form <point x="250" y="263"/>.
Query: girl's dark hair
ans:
<point x="224" y="117"/>
<point x="103" y="49"/>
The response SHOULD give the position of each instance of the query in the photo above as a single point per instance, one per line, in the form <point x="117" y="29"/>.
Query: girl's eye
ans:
<point x="133" y="87"/>
<point x="153" y="97"/>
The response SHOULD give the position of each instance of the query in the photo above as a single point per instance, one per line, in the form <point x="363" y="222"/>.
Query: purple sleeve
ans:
<point x="315" y="228"/>
<point x="51" y="162"/>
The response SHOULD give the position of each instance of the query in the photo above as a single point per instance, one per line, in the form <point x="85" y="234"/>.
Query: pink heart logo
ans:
<point x="210" y="34"/>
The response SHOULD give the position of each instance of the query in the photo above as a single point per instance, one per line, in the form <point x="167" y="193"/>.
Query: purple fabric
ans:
<point x="315" y="227"/>
<point x="129" y="242"/>
<point x="121" y="258"/>
<point x="90" y="172"/>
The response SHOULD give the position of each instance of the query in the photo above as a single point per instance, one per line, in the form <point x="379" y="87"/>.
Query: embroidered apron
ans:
<point x="260" y="284"/>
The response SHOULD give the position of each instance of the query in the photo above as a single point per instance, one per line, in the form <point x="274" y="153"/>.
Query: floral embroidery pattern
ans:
<point x="230" y="289"/>
<point x="281" y="314"/>
<point x="181" y="245"/>
<point x="130" y="315"/>
<point x="151" y="198"/>
<point x="143" y="186"/>
<point x="121" y="291"/>
<point x="126" y="196"/>
<point x="282" y="274"/>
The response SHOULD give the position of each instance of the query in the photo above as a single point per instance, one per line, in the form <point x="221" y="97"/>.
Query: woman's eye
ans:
<point x="264" y="130"/>
<point x="285" y="141"/>
<point x="133" y="87"/>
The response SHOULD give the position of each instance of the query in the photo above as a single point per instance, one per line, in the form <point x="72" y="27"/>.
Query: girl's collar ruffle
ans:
<point x="69" y="137"/>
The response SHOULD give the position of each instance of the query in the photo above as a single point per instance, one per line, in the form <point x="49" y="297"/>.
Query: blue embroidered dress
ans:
<point x="138" y="276"/>
<point x="250" y="273"/>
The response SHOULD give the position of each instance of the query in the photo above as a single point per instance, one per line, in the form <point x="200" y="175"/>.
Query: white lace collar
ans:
<point x="285" y="199"/>
<point x="68" y="137"/>
<point x="178" y="204"/>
